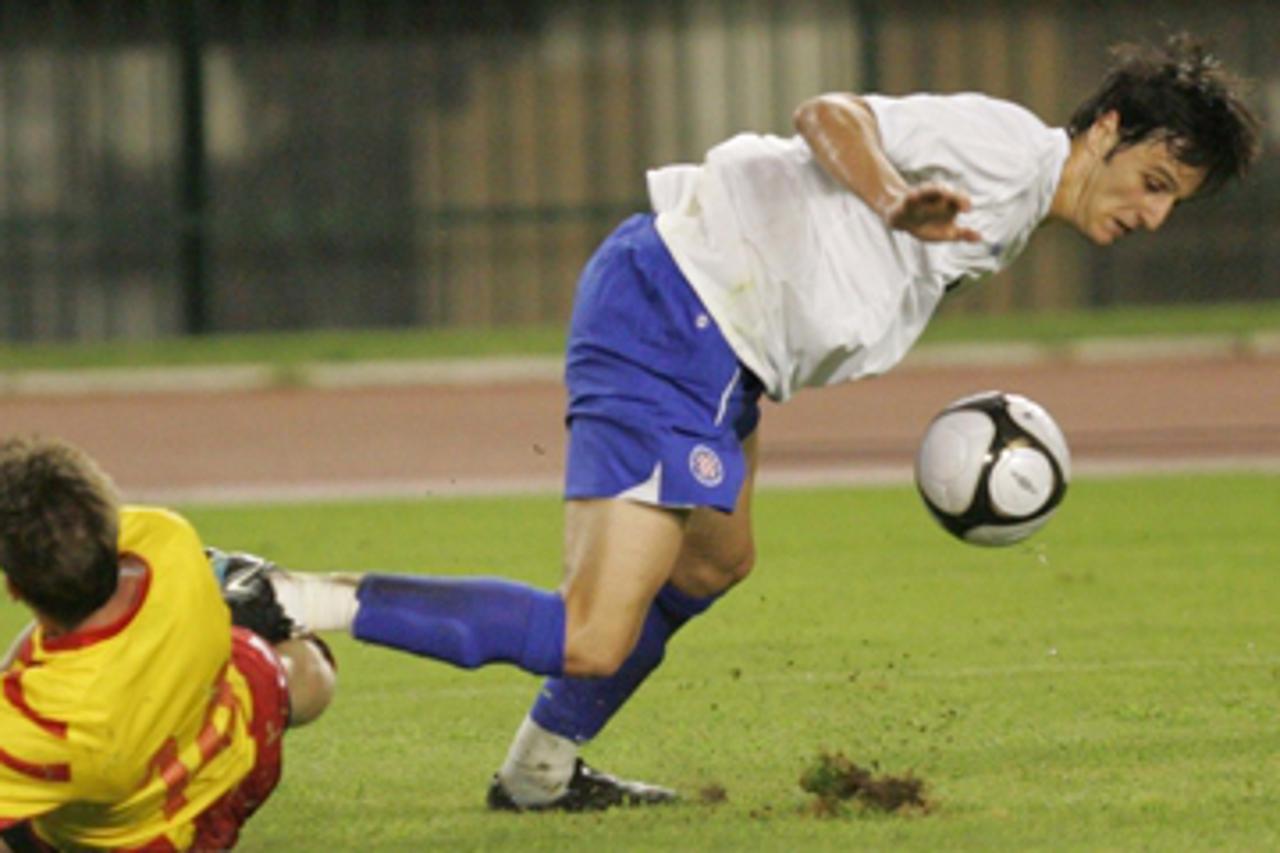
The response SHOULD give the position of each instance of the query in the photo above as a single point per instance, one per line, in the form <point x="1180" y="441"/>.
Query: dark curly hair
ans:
<point x="1181" y="94"/>
<point x="59" y="521"/>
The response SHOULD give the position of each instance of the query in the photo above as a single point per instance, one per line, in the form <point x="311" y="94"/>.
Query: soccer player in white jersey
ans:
<point x="775" y="264"/>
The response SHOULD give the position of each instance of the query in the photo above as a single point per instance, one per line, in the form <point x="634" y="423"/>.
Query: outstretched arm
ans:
<point x="10" y="655"/>
<point x="845" y="139"/>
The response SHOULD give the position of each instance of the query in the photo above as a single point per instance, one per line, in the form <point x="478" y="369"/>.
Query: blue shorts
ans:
<point x="658" y="403"/>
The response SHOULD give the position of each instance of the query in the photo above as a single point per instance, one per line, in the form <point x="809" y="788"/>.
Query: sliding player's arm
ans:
<point x="35" y="773"/>
<point x="18" y="838"/>
<point x="843" y="135"/>
<point x="11" y="655"/>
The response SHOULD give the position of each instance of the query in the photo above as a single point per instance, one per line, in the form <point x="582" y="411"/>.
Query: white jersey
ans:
<point x="806" y="282"/>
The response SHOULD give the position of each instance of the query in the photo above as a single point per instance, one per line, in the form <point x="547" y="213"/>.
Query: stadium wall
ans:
<point x="171" y="168"/>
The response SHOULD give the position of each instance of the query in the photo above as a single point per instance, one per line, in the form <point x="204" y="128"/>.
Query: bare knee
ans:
<point x="311" y="679"/>
<point x="712" y="572"/>
<point x="739" y="565"/>
<point x="589" y="655"/>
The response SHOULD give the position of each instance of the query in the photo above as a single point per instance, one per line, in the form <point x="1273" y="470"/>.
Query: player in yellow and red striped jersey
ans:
<point x="133" y="715"/>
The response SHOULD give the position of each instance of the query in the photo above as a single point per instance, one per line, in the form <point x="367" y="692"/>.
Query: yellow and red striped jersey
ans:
<point x="121" y="736"/>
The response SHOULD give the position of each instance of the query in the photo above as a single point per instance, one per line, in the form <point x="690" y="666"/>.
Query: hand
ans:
<point x="929" y="211"/>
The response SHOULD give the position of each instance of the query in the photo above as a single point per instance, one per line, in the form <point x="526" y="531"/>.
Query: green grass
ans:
<point x="288" y="348"/>
<point x="291" y="349"/>
<point x="1112" y="684"/>
<point x="1237" y="320"/>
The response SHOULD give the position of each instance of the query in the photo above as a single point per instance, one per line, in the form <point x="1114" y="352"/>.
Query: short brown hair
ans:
<point x="59" y="522"/>
<point x="1181" y="94"/>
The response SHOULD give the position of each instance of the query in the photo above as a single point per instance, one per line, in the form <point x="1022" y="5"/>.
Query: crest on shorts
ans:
<point x="706" y="466"/>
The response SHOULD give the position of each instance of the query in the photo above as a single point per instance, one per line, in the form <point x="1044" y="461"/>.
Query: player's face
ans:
<point x="1133" y="187"/>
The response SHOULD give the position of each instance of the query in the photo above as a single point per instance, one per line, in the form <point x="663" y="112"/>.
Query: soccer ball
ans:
<point x="992" y="468"/>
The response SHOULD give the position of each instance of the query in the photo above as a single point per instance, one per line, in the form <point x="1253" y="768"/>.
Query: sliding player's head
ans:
<point x="59" y="520"/>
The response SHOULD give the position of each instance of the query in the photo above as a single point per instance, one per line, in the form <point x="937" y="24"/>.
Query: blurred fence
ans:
<point x="171" y="166"/>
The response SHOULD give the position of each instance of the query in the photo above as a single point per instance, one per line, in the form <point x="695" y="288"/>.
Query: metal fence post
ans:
<point x="193" y="194"/>
<point x="867" y="14"/>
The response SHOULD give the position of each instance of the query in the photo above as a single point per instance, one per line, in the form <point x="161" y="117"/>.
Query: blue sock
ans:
<point x="467" y="622"/>
<point x="578" y="708"/>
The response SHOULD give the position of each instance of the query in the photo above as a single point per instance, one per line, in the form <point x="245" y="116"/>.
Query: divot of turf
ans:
<point x="834" y="780"/>
<point x="713" y="794"/>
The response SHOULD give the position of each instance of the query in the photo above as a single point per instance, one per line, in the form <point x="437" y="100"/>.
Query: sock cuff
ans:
<point x="578" y="708"/>
<point x="377" y="587"/>
<point x="681" y="605"/>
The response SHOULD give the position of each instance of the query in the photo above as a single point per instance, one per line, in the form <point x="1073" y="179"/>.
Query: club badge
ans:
<point x="706" y="466"/>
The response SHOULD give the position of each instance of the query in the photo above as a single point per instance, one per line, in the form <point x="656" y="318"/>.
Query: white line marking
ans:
<point x="769" y="479"/>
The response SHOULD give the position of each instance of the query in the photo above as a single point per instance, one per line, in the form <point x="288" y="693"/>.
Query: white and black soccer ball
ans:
<point x="993" y="467"/>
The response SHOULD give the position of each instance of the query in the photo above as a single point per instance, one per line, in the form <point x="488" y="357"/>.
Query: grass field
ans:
<point x="1237" y="321"/>
<point x="1112" y="684"/>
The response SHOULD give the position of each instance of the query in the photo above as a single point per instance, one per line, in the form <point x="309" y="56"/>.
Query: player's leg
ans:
<point x="257" y="592"/>
<point x="311" y="677"/>
<point x="460" y="620"/>
<point x="618" y="554"/>
<point x="717" y="551"/>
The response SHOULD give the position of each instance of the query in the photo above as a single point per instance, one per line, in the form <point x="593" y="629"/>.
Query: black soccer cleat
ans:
<point x="589" y="790"/>
<point x="247" y="590"/>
